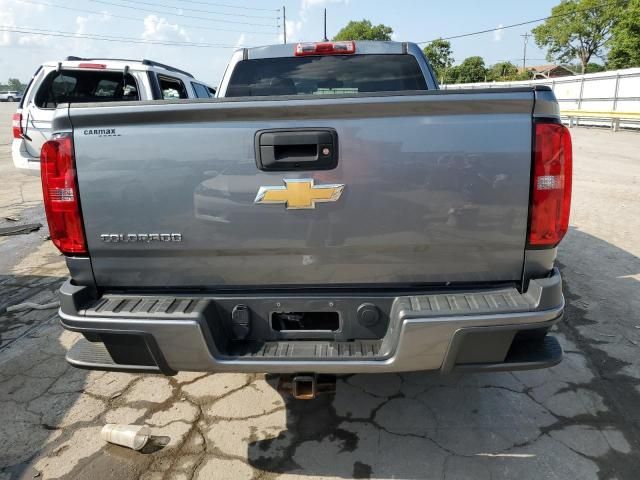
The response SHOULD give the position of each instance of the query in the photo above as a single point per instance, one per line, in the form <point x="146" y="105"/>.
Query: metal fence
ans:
<point x="604" y="99"/>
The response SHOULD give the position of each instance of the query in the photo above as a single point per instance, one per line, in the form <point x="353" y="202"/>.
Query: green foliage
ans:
<point x="440" y="57"/>
<point x="471" y="70"/>
<point x="528" y="75"/>
<point x="592" y="68"/>
<point x="625" y="42"/>
<point x="579" y="29"/>
<point x="13" y="84"/>
<point x="452" y="76"/>
<point x="364" y="30"/>
<point x="503" y="71"/>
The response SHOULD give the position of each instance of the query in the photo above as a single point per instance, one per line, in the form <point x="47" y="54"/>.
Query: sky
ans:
<point x="209" y="31"/>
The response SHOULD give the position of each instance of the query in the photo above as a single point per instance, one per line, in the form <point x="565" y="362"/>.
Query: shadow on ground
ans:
<point x="17" y="289"/>
<point x="51" y="413"/>
<point x="34" y="393"/>
<point x="577" y="420"/>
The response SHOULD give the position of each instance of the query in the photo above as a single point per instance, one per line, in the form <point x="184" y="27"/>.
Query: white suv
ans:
<point x="10" y="96"/>
<point x="76" y="80"/>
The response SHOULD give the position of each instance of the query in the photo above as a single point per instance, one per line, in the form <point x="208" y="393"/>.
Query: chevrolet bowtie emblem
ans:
<point x="299" y="194"/>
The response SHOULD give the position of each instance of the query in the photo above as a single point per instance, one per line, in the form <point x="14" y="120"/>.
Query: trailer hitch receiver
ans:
<point x="306" y="386"/>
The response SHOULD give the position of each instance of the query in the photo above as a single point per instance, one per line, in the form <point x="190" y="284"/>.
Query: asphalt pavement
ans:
<point x="578" y="420"/>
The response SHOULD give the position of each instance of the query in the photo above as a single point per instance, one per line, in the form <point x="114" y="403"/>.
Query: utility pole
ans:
<point x="325" y="26"/>
<point x="284" y="22"/>
<point x="524" y="56"/>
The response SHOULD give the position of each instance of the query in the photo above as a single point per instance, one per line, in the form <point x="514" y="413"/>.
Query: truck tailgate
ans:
<point x="436" y="190"/>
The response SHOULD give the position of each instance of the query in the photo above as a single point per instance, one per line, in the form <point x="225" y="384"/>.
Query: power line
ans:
<point x="511" y="60"/>
<point x="202" y="11"/>
<point x="184" y="15"/>
<point x="136" y="19"/>
<point x="231" y="6"/>
<point x="577" y="10"/>
<point x="109" y="38"/>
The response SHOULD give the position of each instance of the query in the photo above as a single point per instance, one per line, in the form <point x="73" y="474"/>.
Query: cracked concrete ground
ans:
<point x="579" y="420"/>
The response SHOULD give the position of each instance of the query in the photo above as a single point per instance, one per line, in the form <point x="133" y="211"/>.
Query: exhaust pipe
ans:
<point x="306" y="386"/>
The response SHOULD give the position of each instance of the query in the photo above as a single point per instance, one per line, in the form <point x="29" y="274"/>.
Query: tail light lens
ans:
<point x="16" y="124"/>
<point x="325" y="48"/>
<point x="551" y="185"/>
<point x="60" y="192"/>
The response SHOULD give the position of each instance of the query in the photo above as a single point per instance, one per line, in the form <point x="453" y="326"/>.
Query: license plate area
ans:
<point x="346" y="317"/>
<point x="301" y="325"/>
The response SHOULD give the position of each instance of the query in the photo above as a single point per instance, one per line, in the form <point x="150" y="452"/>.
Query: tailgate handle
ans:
<point x="297" y="150"/>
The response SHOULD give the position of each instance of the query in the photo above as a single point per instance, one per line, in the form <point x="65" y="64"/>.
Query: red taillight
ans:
<point x="325" y="48"/>
<point x="551" y="185"/>
<point x="60" y="192"/>
<point x="98" y="66"/>
<point x="16" y="124"/>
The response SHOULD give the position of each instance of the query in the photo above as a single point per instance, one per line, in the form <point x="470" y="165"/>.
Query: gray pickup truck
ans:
<point x="334" y="213"/>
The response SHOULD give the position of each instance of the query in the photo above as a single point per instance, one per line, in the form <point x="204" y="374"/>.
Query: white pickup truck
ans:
<point x="78" y="80"/>
<point x="334" y="213"/>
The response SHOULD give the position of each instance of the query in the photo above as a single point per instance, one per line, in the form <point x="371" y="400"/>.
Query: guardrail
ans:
<point x="615" y="118"/>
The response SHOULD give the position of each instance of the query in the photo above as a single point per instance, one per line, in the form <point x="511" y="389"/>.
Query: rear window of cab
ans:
<point x="322" y="75"/>
<point x="82" y="86"/>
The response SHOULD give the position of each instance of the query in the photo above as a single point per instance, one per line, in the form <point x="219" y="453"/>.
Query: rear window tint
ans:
<point x="80" y="86"/>
<point x="202" y="91"/>
<point x="321" y="75"/>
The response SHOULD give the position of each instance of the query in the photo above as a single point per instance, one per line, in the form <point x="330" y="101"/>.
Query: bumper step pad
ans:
<point x="310" y="350"/>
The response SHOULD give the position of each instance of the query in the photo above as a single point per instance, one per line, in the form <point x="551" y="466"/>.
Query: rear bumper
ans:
<point x="470" y="330"/>
<point x="22" y="160"/>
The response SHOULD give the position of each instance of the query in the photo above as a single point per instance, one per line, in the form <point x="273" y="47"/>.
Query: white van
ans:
<point x="76" y="80"/>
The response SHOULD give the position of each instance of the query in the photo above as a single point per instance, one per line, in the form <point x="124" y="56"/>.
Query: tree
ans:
<point x="439" y="54"/>
<point x="503" y="71"/>
<point x="471" y="70"/>
<point x="625" y="41"/>
<point x="15" y="84"/>
<point x="594" y="68"/>
<point x="578" y="29"/>
<point x="453" y="75"/>
<point x="364" y="30"/>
